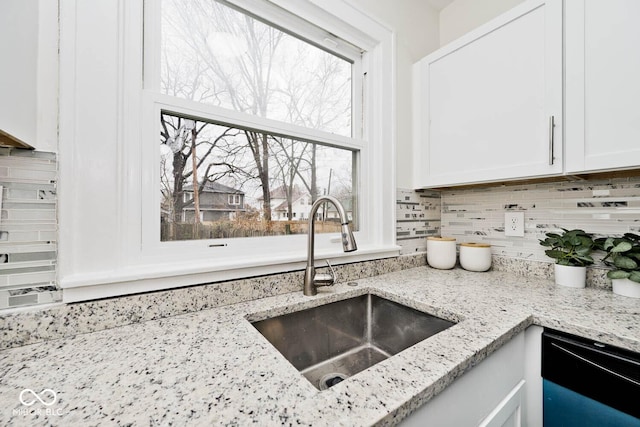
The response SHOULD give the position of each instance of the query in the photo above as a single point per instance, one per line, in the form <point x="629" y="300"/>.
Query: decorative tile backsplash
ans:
<point x="417" y="217"/>
<point x="28" y="232"/>
<point x="601" y="207"/>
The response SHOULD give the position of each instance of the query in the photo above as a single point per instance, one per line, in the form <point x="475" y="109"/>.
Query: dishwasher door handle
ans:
<point x="596" y="365"/>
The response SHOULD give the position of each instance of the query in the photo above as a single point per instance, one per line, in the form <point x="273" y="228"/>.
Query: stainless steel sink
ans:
<point x="334" y="341"/>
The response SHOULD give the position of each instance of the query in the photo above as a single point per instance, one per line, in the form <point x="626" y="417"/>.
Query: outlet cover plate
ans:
<point x="514" y="224"/>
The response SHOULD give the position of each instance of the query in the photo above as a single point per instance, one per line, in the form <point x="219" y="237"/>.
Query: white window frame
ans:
<point x="234" y="199"/>
<point x="133" y="260"/>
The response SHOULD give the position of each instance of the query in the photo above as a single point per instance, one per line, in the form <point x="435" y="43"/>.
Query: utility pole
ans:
<point x="191" y="125"/>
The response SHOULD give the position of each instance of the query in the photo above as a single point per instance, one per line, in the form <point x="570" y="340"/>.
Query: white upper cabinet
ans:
<point x="485" y="103"/>
<point x="602" y="85"/>
<point x="29" y="72"/>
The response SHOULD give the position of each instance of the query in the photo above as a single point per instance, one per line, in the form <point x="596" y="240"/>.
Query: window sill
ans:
<point x="133" y="280"/>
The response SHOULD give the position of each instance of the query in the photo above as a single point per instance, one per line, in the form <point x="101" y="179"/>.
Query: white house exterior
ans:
<point x="300" y="206"/>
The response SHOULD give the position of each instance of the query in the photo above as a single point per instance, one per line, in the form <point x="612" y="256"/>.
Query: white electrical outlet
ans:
<point x="514" y="224"/>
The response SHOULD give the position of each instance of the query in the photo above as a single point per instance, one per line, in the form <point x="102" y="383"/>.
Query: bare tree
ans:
<point x="219" y="56"/>
<point x="244" y="80"/>
<point x="320" y="96"/>
<point x="320" y="99"/>
<point x="184" y="143"/>
<point x="288" y="155"/>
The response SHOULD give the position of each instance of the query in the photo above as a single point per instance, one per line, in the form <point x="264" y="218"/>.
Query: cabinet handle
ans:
<point x="551" y="126"/>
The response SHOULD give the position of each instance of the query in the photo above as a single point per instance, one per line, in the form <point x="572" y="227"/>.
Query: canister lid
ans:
<point x="442" y="239"/>
<point x="476" y="245"/>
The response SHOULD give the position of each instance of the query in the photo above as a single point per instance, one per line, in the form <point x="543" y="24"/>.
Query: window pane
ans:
<point x="213" y="54"/>
<point x="247" y="183"/>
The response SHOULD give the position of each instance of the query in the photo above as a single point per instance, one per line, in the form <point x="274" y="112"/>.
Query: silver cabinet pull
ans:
<point x="551" y="126"/>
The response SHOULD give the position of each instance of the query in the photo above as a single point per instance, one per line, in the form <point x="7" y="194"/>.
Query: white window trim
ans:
<point x="124" y="261"/>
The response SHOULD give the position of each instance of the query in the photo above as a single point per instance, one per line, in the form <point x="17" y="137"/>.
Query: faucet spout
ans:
<point x="311" y="282"/>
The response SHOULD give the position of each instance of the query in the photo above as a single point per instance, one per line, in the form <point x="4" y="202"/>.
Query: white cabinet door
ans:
<point x="490" y="394"/>
<point x="484" y="103"/>
<point x="603" y="85"/>
<point x="508" y="413"/>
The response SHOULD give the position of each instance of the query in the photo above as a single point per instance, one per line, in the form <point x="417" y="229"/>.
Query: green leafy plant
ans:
<point x="572" y="247"/>
<point x="623" y="255"/>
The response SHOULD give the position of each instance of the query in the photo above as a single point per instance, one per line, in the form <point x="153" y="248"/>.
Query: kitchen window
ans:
<point x="330" y="91"/>
<point x="235" y="92"/>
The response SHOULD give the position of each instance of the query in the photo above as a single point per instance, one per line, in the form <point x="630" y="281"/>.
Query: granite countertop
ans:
<point x="213" y="368"/>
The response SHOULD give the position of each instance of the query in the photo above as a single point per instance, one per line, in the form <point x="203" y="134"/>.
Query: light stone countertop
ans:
<point x="213" y="368"/>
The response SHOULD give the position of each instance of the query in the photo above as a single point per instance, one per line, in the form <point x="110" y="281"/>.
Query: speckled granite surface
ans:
<point x="36" y="324"/>
<point x="596" y="276"/>
<point x="213" y="368"/>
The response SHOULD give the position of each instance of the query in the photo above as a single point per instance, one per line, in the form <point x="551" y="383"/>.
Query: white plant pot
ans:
<point x="626" y="287"/>
<point x="570" y="276"/>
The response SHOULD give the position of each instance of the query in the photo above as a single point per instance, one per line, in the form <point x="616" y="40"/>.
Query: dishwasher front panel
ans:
<point x="566" y="408"/>
<point x="587" y="383"/>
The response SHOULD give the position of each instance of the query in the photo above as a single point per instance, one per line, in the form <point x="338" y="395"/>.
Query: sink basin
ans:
<point x="332" y="342"/>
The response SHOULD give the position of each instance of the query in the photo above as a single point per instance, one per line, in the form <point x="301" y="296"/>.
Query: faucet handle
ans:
<point x="332" y="271"/>
<point x="326" y="279"/>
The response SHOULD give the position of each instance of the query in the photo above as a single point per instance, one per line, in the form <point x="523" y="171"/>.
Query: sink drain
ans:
<point x="330" y="380"/>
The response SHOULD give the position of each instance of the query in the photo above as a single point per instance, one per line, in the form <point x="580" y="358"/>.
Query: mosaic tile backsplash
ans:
<point x="417" y="217"/>
<point x="603" y="208"/>
<point x="28" y="231"/>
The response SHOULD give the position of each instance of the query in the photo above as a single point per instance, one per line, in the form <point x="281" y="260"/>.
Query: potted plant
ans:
<point x="623" y="256"/>
<point x="572" y="251"/>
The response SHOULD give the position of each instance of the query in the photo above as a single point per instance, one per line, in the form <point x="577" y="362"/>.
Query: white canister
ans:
<point x="441" y="252"/>
<point x="475" y="256"/>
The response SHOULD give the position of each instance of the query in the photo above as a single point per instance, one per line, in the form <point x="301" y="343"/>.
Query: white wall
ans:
<point x="416" y="25"/>
<point x="462" y="16"/>
<point x="29" y="73"/>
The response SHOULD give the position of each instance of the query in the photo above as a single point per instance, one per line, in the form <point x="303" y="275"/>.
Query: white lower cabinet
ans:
<point x="508" y="413"/>
<point x="504" y="390"/>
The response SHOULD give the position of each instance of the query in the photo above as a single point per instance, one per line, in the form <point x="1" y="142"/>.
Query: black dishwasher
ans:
<point x="588" y="384"/>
